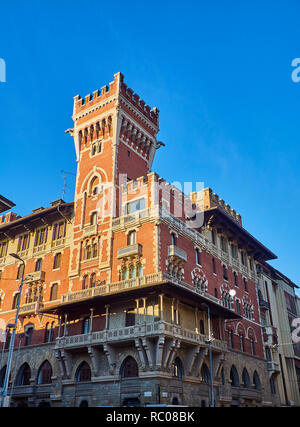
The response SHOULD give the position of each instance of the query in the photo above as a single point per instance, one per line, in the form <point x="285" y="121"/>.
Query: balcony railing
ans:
<point x="273" y="366"/>
<point x="130" y="250"/>
<point x="132" y="332"/>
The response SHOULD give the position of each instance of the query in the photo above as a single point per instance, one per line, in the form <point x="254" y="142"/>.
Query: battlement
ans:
<point x="211" y="200"/>
<point x="116" y="87"/>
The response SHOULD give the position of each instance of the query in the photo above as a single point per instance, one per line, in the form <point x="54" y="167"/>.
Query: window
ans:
<point x="93" y="281"/>
<point x="230" y="340"/>
<point x="273" y="385"/>
<point x="202" y="329"/>
<point x="20" y="271"/>
<point x="173" y="239"/>
<point x="136" y="205"/>
<point x="205" y="373"/>
<point x="28" y="335"/>
<point x="242" y="343"/>
<point x="223" y="243"/>
<point x="129" y="368"/>
<point x="234" y="377"/>
<point x="23" y="242"/>
<point x="245" y="284"/>
<point x="85" y="283"/>
<point x="246" y="379"/>
<point x="130" y="317"/>
<point x="252" y="346"/>
<point x="243" y="258"/>
<point x="234" y="251"/>
<point x="198" y="258"/>
<point x="235" y="279"/>
<point x="44" y="374"/>
<point x="225" y="275"/>
<point x="15" y="300"/>
<point x="38" y="264"/>
<point x="57" y="261"/>
<point x="23" y="376"/>
<point x="213" y="236"/>
<point x="177" y="368"/>
<point x="94" y="249"/>
<point x="214" y="266"/>
<point x="131" y="239"/>
<point x="54" y="292"/>
<point x="3" y="249"/>
<point x="59" y="230"/>
<point x="86" y="325"/>
<point x="49" y="332"/>
<point x="256" y="381"/>
<point x="238" y="306"/>
<point x="94" y="218"/>
<point x="83" y="373"/>
<point x="40" y="236"/>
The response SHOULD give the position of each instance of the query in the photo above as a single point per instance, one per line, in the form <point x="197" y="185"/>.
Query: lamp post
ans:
<point x="12" y="341"/>
<point x="209" y="342"/>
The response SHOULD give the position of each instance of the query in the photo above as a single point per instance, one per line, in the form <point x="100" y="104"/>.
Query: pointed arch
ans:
<point x="44" y="373"/>
<point x="129" y="368"/>
<point x="23" y="375"/>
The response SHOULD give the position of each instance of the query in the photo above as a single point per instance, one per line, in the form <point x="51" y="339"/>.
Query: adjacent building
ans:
<point x="134" y="287"/>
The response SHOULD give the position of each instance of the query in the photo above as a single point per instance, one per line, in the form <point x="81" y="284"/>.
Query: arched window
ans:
<point x="178" y="370"/>
<point x="54" y="292"/>
<point x="214" y="268"/>
<point x="83" y="373"/>
<point x="44" y="373"/>
<point x="49" y="332"/>
<point x="205" y="373"/>
<point x="173" y="239"/>
<point x="256" y="381"/>
<point x="225" y="275"/>
<point x="93" y="281"/>
<point x="234" y="377"/>
<point x="246" y="379"/>
<point x="129" y="368"/>
<point x="85" y="282"/>
<point x="38" y="264"/>
<point x="235" y="279"/>
<point x="57" y="261"/>
<point x="23" y="376"/>
<point x="86" y="325"/>
<point x="94" y="249"/>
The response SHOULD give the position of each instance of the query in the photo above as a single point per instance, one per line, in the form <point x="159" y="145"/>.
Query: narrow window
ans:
<point x="214" y="266"/>
<point x="198" y="259"/>
<point x="54" y="292"/>
<point x="57" y="261"/>
<point x="131" y="240"/>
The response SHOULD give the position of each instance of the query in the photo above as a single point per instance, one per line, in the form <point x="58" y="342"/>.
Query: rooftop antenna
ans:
<point x="64" y="176"/>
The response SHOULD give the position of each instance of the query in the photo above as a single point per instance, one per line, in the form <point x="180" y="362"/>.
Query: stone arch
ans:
<point x="44" y="373"/>
<point x="129" y="368"/>
<point x="251" y="333"/>
<point x="240" y="329"/>
<point x="83" y="372"/>
<point x="246" y="378"/>
<point x="96" y="172"/>
<point x="234" y="377"/>
<point x="23" y="375"/>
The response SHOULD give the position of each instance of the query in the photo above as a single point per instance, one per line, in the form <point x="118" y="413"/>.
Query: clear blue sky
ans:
<point x="220" y="73"/>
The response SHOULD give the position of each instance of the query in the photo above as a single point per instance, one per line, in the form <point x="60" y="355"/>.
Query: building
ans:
<point x="129" y="288"/>
<point x="278" y="304"/>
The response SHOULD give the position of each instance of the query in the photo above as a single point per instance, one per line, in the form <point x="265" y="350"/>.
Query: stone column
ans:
<point x="107" y="307"/>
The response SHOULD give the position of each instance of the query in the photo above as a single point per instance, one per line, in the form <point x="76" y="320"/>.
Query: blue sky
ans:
<point x="220" y="73"/>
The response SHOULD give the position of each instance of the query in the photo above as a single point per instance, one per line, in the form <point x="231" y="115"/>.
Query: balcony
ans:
<point x="264" y="305"/>
<point x="174" y="251"/>
<point x="270" y="335"/>
<point x="30" y="308"/>
<point x="90" y="230"/>
<point x="36" y="276"/>
<point x="273" y="367"/>
<point x="130" y="333"/>
<point x="130" y="251"/>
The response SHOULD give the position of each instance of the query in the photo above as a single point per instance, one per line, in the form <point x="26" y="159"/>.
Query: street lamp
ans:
<point x="209" y="342"/>
<point x="12" y="341"/>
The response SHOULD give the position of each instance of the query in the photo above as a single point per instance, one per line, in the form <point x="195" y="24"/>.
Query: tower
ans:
<point x="115" y="141"/>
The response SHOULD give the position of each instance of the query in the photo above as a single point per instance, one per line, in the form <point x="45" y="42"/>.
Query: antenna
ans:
<point x="64" y="176"/>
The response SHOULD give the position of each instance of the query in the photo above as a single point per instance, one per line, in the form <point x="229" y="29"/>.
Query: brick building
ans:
<point x="127" y="288"/>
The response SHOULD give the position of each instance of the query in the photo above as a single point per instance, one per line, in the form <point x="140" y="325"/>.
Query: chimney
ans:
<point x="10" y="216"/>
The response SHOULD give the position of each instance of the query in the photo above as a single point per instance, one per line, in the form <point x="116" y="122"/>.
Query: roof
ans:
<point x="5" y="204"/>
